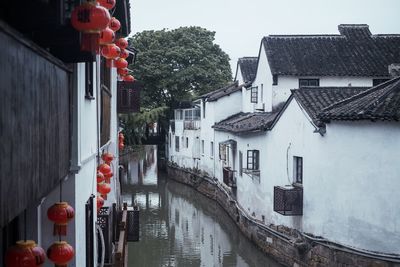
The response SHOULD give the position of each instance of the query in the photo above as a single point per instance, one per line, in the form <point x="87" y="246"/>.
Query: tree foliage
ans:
<point x="176" y="65"/>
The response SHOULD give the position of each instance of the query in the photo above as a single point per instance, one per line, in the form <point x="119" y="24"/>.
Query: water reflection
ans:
<point x="179" y="226"/>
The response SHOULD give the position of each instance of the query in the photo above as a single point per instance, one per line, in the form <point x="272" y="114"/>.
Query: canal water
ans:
<point x="178" y="225"/>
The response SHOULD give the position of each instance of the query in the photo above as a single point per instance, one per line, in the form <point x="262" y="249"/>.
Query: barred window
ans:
<point x="254" y="94"/>
<point x="253" y="159"/>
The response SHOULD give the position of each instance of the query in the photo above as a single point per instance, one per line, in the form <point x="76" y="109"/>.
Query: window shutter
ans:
<point x="128" y="98"/>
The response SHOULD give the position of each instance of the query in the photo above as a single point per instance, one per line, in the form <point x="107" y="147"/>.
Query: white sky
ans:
<point x="240" y="24"/>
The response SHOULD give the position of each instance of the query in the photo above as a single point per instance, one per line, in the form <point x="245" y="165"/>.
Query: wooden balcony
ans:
<point x="34" y="123"/>
<point x="288" y="200"/>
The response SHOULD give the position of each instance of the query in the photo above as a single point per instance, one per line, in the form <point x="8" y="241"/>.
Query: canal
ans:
<point x="178" y="225"/>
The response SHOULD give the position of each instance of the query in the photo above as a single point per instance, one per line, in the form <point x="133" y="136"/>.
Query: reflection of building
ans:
<point x="302" y="158"/>
<point x="58" y="107"/>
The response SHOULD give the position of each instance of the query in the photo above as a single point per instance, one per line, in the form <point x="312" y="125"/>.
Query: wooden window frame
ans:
<point x="307" y="82"/>
<point x="254" y="94"/>
<point x="253" y="160"/>
<point x="298" y="169"/>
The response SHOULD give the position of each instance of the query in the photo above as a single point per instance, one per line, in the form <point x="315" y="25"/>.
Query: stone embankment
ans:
<point x="287" y="246"/>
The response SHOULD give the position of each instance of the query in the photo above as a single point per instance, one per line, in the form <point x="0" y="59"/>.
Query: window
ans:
<point x="169" y="140"/>
<point x="212" y="149"/>
<point x="204" y="108"/>
<point x="222" y="151"/>
<point x="89" y="81"/>
<point x="376" y="82"/>
<point x="308" y="82"/>
<point x="298" y="169"/>
<point x="254" y="94"/>
<point x="253" y="159"/>
<point x="177" y="143"/>
<point x="240" y="163"/>
<point x="202" y="146"/>
<point x="187" y="142"/>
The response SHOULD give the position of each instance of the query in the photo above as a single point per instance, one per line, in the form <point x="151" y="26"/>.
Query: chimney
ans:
<point x="354" y="30"/>
<point x="394" y="70"/>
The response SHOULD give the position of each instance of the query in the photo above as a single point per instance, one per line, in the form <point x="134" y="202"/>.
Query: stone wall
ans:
<point x="287" y="246"/>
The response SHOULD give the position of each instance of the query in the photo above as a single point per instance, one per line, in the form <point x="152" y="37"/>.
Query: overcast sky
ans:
<point x="240" y="24"/>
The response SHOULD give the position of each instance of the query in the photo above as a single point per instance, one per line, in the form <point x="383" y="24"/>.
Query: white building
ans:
<point x="263" y="150"/>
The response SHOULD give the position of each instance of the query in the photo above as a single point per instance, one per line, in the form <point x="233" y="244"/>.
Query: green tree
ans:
<point x="177" y="65"/>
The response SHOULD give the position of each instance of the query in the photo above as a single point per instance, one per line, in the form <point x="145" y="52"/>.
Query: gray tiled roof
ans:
<point x="224" y="91"/>
<point x="315" y="99"/>
<point x="242" y="123"/>
<point x="248" y="68"/>
<point x="355" y="52"/>
<point x="381" y="102"/>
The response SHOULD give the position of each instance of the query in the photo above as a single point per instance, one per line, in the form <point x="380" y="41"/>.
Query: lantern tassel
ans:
<point x="90" y="42"/>
<point x="60" y="229"/>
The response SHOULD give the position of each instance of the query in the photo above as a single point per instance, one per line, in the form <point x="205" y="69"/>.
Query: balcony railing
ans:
<point x="191" y="125"/>
<point x="288" y="200"/>
<point x="229" y="176"/>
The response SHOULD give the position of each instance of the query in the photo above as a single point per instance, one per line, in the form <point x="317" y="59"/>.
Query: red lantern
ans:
<point x="124" y="54"/>
<point x="107" y="36"/>
<point x="100" y="202"/>
<point x="100" y="177"/>
<point x="129" y="78"/>
<point x="122" y="72"/>
<point x="122" y="43"/>
<point x="110" y="51"/>
<point x="90" y="17"/>
<point x="60" y="213"/>
<point x="107" y="157"/>
<point x="60" y="252"/>
<point x="108" y="177"/>
<point x="103" y="189"/>
<point x="121" y="63"/>
<point x="104" y="168"/>
<point x="115" y="25"/>
<point x="121" y="137"/>
<point x="121" y="146"/>
<point x="107" y="3"/>
<point x="26" y="254"/>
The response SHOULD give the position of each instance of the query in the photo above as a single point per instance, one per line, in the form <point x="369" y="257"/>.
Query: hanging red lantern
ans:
<point x="110" y="52"/>
<point x="100" y="202"/>
<point x="121" y="63"/>
<point x="106" y="36"/>
<point x="60" y="213"/>
<point x="123" y="54"/>
<point x="108" y="177"/>
<point x="104" y="168"/>
<point x="107" y="157"/>
<point x="129" y="78"/>
<point x="122" y="72"/>
<point x="60" y="252"/>
<point x="121" y="137"/>
<point x="26" y="254"/>
<point x="121" y="146"/>
<point x="103" y="189"/>
<point x="107" y="3"/>
<point x="114" y="25"/>
<point x="90" y="17"/>
<point x="122" y="43"/>
<point x="100" y="177"/>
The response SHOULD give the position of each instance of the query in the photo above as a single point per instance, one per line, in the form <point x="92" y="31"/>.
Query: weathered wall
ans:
<point x="284" y="244"/>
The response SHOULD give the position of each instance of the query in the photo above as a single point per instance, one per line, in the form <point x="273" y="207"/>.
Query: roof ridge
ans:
<point x="364" y="93"/>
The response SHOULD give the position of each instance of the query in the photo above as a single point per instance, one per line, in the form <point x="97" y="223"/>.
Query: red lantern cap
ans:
<point x="115" y="25"/>
<point x="106" y="36"/>
<point x="60" y="252"/>
<point x="60" y="213"/>
<point x="104" y="168"/>
<point x="25" y="253"/>
<point x="122" y="43"/>
<point x="89" y="17"/>
<point x="121" y="63"/>
<point x="107" y="3"/>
